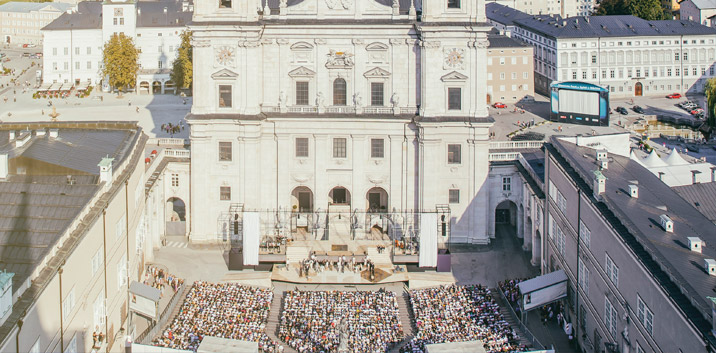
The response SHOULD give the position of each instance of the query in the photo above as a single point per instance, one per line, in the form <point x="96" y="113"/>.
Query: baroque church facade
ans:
<point x="339" y="106"/>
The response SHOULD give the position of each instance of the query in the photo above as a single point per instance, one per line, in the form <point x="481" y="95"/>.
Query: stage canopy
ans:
<point x="428" y="256"/>
<point x="456" y="347"/>
<point x="221" y="345"/>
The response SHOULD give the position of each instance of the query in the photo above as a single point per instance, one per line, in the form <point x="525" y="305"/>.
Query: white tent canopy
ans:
<point x="543" y="289"/>
<point x="252" y="238"/>
<point x="428" y="240"/>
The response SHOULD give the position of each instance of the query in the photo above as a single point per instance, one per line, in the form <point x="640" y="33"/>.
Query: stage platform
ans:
<point x="249" y="278"/>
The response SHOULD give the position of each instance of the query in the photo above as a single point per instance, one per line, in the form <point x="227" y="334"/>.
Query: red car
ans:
<point x="674" y="96"/>
<point x="500" y="105"/>
<point x="697" y="111"/>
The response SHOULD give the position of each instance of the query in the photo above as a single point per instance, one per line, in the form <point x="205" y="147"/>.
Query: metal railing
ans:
<point x="531" y="172"/>
<point x="160" y="141"/>
<point x="503" y="156"/>
<point x="523" y="328"/>
<point x="504" y="145"/>
<point x="153" y="330"/>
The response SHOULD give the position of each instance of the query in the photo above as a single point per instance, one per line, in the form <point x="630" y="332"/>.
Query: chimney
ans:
<point x="40" y="132"/>
<point x="54" y="133"/>
<point x="696" y="244"/>
<point x="713" y="174"/>
<point x="23" y="138"/>
<point x="603" y="163"/>
<point x="4" y="165"/>
<point x="634" y="191"/>
<point x="600" y="184"/>
<point x="667" y="223"/>
<point x="694" y="173"/>
<point x="105" y="170"/>
<point x="601" y="153"/>
<point x="12" y="135"/>
<point x="710" y="266"/>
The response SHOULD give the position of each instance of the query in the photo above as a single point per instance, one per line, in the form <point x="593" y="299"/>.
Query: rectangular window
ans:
<point x="224" y="4"/>
<point x="454" y="98"/>
<point x="377" y="148"/>
<point x="175" y="179"/>
<point x="561" y="202"/>
<point x="339" y="147"/>
<point x="35" y="347"/>
<point x="454" y="154"/>
<point x="376" y="93"/>
<point x="160" y="64"/>
<point x="610" y="317"/>
<point x="225" y="96"/>
<point x="454" y="196"/>
<point x="89" y="50"/>
<point x="121" y="21"/>
<point x="583" y="273"/>
<point x="301" y="93"/>
<point x="225" y="193"/>
<point x="525" y="75"/>
<point x="453" y="4"/>
<point x="77" y="65"/>
<point x="612" y="271"/>
<point x="645" y="315"/>
<point x="89" y="65"/>
<point x="584" y="234"/>
<point x="225" y="152"/>
<point x="122" y="271"/>
<point x="120" y="229"/>
<point x="72" y="346"/>
<point x="301" y="147"/>
<point x="98" y="311"/>
<point x="506" y="184"/>
<point x="77" y="50"/>
<point x="68" y="303"/>
<point x="114" y="21"/>
<point x="97" y="261"/>
<point x="54" y="51"/>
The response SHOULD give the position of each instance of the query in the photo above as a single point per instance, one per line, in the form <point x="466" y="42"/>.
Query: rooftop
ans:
<point x="702" y="196"/>
<point x="608" y="26"/>
<point x="704" y="4"/>
<point x="50" y="181"/>
<point x="502" y="41"/>
<point x="666" y="255"/>
<point x="149" y="14"/>
<point x="503" y="14"/>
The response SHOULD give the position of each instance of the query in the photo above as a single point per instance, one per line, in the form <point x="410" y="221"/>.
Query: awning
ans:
<point x="44" y="87"/>
<point x="54" y="86"/>
<point x="143" y="290"/>
<point x="543" y="289"/>
<point x="456" y="347"/>
<point x="212" y="344"/>
<point x="82" y="86"/>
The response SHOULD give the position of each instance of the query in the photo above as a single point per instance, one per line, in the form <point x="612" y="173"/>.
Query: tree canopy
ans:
<point x="711" y="101"/>
<point x="182" y="67"/>
<point x="120" y="59"/>
<point x="647" y="9"/>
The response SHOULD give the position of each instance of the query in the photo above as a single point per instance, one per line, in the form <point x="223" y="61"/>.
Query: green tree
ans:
<point x="120" y="62"/>
<point x="182" y="67"/>
<point x="711" y="101"/>
<point x="649" y="10"/>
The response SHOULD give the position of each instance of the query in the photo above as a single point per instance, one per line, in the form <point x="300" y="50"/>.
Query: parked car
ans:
<point x="500" y="105"/>
<point x="674" y="96"/>
<point x="638" y="109"/>
<point x="622" y="111"/>
<point x="697" y="111"/>
<point x="25" y="55"/>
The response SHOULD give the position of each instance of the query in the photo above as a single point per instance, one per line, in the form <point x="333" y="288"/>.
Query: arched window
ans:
<point x="339" y="92"/>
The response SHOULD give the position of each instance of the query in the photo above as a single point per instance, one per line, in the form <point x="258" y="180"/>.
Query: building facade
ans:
<point x="328" y="106"/>
<point x="74" y="42"/>
<point x="563" y="8"/>
<point x="607" y="222"/>
<point x="21" y="22"/>
<point x="78" y="233"/>
<point x="510" y="71"/>
<point x="631" y="56"/>
<point x="698" y="11"/>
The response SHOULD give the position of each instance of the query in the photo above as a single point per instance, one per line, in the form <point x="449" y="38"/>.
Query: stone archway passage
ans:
<point x="175" y="216"/>
<point x="377" y="199"/>
<point x="339" y="196"/>
<point x="156" y="87"/>
<point x="302" y="199"/>
<point x="144" y="87"/>
<point x="506" y="213"/>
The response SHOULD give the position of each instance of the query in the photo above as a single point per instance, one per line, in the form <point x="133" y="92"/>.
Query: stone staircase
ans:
<point x="505" y="311"/>
<point x="274" y="321"/>
<point x="296" y="254"/>
<point x="406" y="319"/>
<point x="378" y="258"/>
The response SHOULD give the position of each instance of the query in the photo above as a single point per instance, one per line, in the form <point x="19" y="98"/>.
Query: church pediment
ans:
<point x="301" y="46"/>
<point x="454" y="76"/>
<point x="224" y="74"/>
<point x="376" y="72"/>
<point x="302" y="72"/>
<point x="376" y="46"/>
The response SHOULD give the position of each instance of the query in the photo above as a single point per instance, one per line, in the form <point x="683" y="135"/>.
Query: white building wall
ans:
<point x="66" y="55"/>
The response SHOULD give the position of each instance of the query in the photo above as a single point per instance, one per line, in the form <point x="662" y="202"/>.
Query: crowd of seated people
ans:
<point x="457" y="314"/>
<point x="224" y="310"/>
<point x="313" y="321"/>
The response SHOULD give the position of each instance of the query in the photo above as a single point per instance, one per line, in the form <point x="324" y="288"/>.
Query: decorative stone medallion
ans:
<point x="454" y="58"/>
<point x="225" y="56"/>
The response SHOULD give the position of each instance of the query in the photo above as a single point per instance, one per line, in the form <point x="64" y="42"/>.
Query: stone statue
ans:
<point x="358" y="100"/>
<point x="343" y="337"/>
<point x="319" y="99"/>
<point x="283" y="3"/>
<point x="282" y="99"/>
<point x="395" y="99"/>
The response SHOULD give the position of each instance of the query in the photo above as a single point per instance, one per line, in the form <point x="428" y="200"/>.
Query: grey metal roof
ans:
<point x="404" y="4"/>
<point x="501" y="41"/>
<point x="145" y="291"/>
<point x="37" y="207"/>
<point x="505" y="15"/>
<point x="704" y="4"/>
<point x="15" y="6"/>
<point x="610" y="26"/>
<point x="88" y="16"/>
<point x="702" y="196"/>
<point x="636" y="221"/>
<point x="150" y="14"/>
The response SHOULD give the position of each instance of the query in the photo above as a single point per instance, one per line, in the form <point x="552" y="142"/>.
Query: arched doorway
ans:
<point x="489" y="99"/>
<point x="156" y="87"/>
<point x="175" y="216"/>
<point x="638" y="89"/>
<point x="506" y="213"/>
<point x="144" y="87"/>
<point x="302" y="199"/>
<point x="339" y="196"/>
<point x="169" y="87"/>
<point x="377" y="200"/>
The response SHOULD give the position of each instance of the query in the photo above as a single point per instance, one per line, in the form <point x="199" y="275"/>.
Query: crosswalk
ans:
<point x="176" y="244"/>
